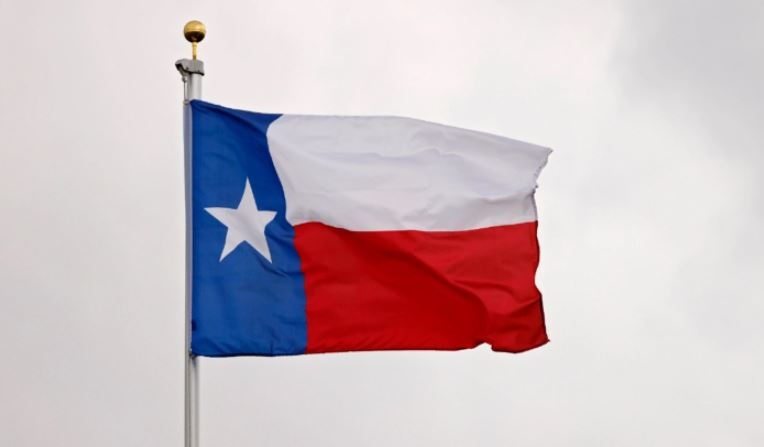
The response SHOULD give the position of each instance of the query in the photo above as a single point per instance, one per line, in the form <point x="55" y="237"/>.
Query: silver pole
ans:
<point x="191" y="70"/>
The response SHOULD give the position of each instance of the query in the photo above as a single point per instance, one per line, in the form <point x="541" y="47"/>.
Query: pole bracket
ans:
<point x="187" y="67"/>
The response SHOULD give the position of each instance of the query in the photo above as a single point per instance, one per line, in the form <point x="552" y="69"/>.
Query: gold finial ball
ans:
<point x="194" y="31"/>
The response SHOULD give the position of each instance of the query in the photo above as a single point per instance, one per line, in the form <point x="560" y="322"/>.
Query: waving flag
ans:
<point x="325" y="234"/>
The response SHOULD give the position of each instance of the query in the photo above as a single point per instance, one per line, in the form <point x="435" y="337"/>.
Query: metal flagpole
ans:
<point x="191" y="70"/>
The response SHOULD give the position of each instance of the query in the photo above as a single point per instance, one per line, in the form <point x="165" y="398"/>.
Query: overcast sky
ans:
<point x="651" y="213"/>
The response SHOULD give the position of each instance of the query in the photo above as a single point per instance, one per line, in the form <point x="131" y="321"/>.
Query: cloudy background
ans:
<point x="651" y="212"/>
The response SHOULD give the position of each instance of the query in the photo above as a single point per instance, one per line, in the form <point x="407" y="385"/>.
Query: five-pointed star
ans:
<point x="245" y="224"/>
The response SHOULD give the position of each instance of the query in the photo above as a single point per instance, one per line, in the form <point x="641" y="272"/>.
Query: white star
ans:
<point x="245" y="224"/>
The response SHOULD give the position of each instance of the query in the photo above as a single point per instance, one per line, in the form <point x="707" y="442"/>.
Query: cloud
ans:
<point x="691" y="76"/>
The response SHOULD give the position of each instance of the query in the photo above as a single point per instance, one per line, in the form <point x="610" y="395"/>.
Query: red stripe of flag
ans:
<point x="383" y="290"/>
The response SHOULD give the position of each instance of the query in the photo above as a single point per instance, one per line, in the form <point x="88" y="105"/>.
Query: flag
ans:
<point x="324" y="234"/>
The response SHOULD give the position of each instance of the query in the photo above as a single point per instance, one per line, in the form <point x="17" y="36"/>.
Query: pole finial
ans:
<point x="194" y="31"/>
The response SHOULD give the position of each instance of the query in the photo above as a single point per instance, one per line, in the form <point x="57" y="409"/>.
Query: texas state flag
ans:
<point x="326" y="233"/>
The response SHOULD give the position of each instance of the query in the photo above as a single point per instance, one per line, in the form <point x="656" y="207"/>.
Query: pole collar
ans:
<point x="190" y="66"/>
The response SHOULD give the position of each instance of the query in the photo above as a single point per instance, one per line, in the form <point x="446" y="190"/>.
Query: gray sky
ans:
<point x="651" y="211"/>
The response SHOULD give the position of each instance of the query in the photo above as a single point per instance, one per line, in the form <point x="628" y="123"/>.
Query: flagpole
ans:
<point x="191" y="70"/>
